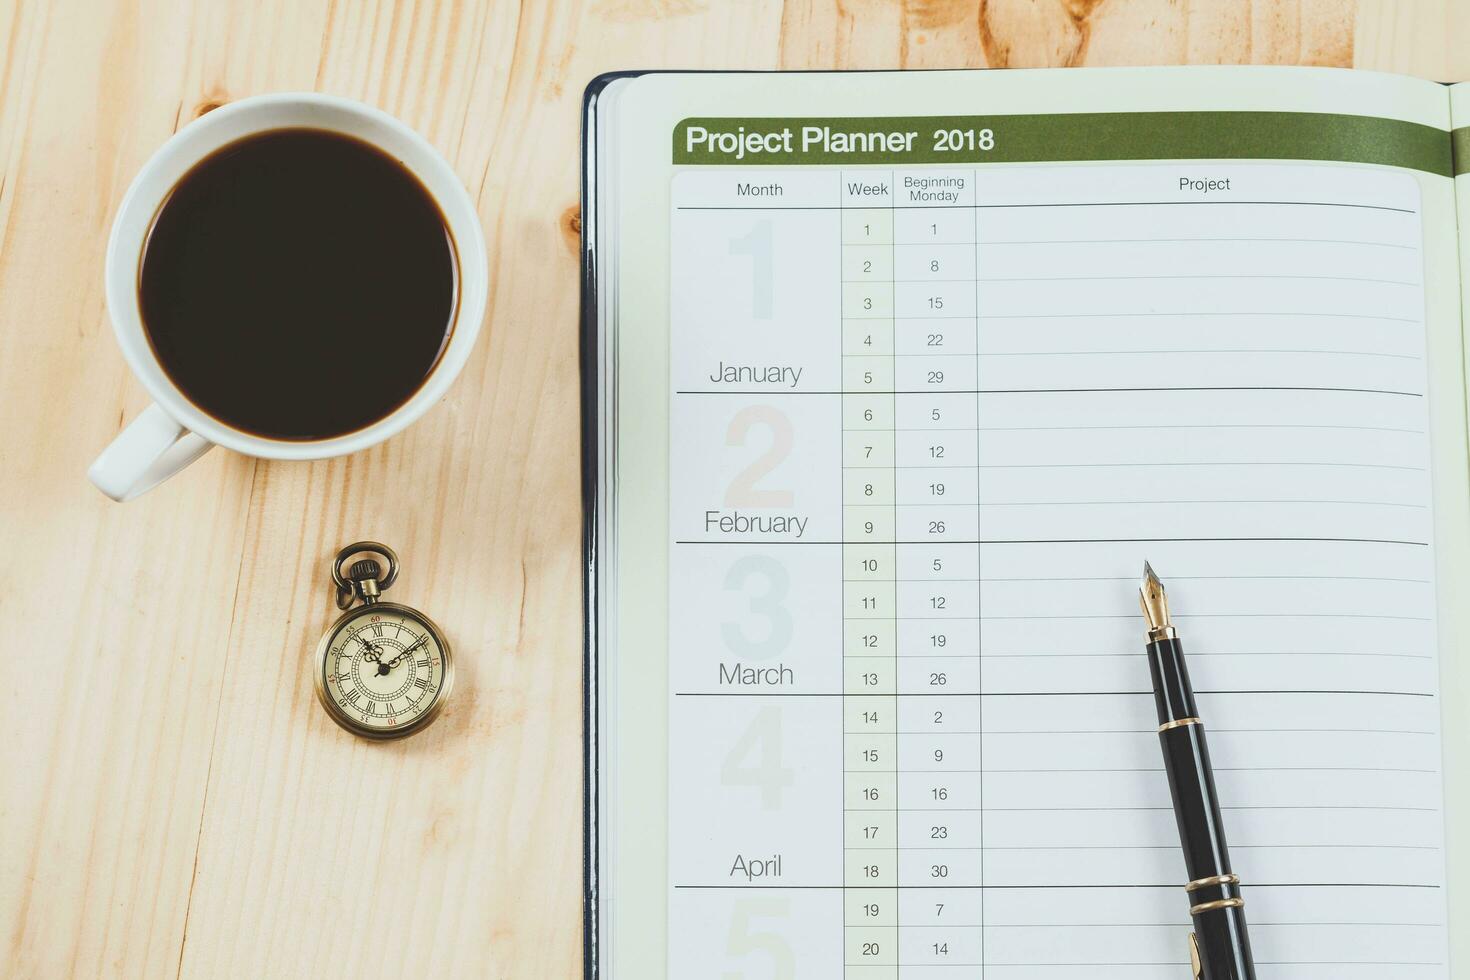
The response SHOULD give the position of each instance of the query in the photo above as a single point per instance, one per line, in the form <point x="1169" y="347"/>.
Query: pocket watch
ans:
<point x="383" y="670"/>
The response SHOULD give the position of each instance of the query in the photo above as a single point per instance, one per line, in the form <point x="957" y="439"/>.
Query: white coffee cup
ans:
<point x="173" y="431"/>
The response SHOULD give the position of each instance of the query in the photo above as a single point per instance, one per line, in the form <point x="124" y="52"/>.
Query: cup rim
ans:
<point x="218" y="128"/>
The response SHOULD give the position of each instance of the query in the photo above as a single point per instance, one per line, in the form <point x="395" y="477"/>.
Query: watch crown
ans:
<point x="365" y="569"/>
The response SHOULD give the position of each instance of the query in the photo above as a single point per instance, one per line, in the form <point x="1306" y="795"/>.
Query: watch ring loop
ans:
<point x="344" y="587"/>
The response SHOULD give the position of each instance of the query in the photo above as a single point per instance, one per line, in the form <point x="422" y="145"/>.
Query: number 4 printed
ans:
<point x="763" y="741"/>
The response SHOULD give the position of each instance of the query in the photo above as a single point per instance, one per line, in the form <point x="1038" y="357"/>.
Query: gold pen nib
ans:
<point x="1155" y="603"/>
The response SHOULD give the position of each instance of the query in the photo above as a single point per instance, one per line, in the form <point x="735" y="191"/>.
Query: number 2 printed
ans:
<point x="743" y="491"/>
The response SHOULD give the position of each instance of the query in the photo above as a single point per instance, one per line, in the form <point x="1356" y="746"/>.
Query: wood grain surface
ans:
<point x="172" y="800"/>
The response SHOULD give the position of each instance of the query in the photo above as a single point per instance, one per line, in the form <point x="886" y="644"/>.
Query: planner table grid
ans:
<point x="925" y="427"/>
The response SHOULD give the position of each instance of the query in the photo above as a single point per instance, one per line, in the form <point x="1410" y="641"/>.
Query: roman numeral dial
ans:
<point x="384" y="670"/>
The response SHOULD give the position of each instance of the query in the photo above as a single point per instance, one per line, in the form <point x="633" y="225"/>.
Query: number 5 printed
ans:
<point x="763" y="741"/>
<point x="743" y="491"/>
<point x="746" y="939"/>
<point x="769" y="603"/>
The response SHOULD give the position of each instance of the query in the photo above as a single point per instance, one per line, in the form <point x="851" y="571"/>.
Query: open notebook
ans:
<point x="892" y="382"/>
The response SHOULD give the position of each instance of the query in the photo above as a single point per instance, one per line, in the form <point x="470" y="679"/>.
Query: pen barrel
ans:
<point x="1215" y="903"/>
<point x="1173" y="695"/>
<point x="1224" y="946"/>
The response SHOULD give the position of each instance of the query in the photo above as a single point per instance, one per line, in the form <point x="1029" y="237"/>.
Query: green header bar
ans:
<point x="1460" y="143"/>
<point x="1067" y="137"/>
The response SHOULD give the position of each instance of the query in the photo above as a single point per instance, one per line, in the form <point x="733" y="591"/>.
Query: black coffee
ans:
<point x="298" y="284"/>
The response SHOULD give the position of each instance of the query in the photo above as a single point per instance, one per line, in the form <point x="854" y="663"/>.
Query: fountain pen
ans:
<point x="1219" y="948"/>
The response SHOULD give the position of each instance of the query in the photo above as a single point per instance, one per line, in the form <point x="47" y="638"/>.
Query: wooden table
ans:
<point x="172" y="800"/>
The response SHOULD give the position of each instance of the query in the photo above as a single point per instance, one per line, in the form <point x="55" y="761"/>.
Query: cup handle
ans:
<point x="150" y="450"/>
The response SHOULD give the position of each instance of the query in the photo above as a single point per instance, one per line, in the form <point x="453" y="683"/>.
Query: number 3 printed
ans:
<point x="768" y="603"/>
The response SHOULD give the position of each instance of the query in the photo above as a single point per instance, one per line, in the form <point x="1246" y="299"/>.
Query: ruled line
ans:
<point x="918" y="658"/>
<point x="1032" y="770"/>
<point x="1188" y="314"/>
<point x="1254" y="924"/>
<point x="1194" y="578"/>
<point x="966" y="356"/>
<point x="1048" y="204"/>
<point x="1147" y="847"/>
<point x="1041" y="391"/>
<point x="978" y="733"/>
<point x="877" y="280"/>
<point x="1112" y="428"/>
<point x="1181" y="276"/>
<point x="944" y="354"/>
<point x="1031" y="541"/>
<point x="1188" y="241"/>
<point x="1032" y="694"/>
<point x="1066" y="887"/>
<point x="1151" y="503"/>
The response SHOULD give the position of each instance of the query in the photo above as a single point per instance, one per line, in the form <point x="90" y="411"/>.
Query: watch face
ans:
<point x="384" y="670"/>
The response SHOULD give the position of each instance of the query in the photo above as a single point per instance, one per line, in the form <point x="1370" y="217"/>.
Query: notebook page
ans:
<point x="926" y="426"/>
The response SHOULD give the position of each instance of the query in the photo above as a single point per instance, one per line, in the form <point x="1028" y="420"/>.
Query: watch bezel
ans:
<point x="334" y="710"/>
